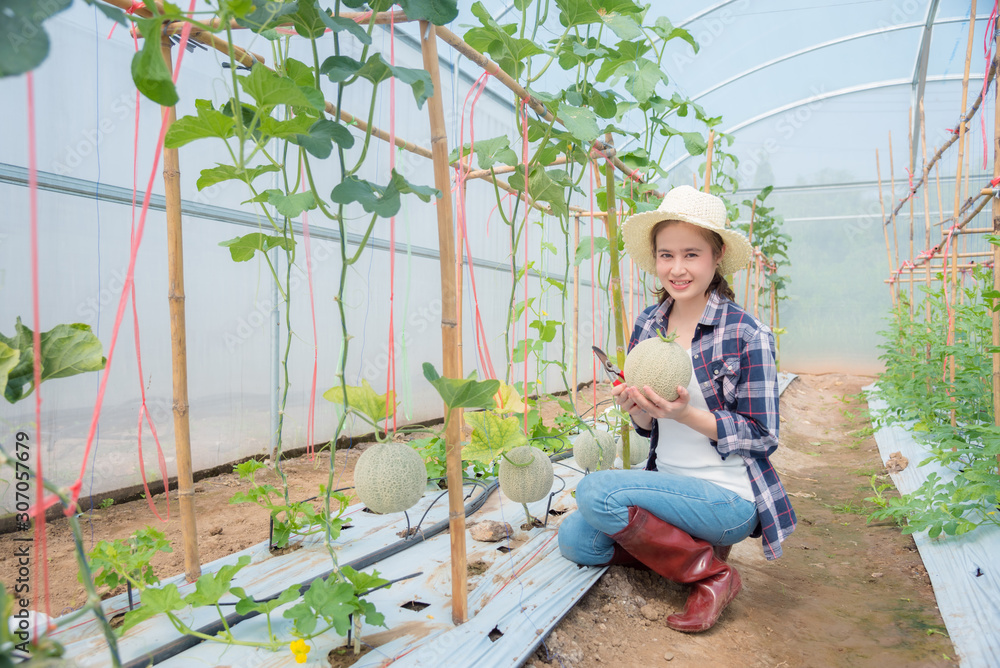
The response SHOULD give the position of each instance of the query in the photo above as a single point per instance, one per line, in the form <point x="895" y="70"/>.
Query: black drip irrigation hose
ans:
<point x="186" y="642"/>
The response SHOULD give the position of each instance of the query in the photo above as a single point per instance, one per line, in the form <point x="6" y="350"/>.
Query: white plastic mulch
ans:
<point x="965" y="570"/>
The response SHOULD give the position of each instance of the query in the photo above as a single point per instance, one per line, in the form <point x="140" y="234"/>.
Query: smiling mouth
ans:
<point x="680" y="284"/>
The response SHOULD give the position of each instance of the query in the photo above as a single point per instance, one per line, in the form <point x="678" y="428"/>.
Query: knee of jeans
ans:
<point x="588" y="490"/>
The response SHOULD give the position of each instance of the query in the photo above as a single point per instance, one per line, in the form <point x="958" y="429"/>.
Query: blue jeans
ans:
<point x="701" y="508"/>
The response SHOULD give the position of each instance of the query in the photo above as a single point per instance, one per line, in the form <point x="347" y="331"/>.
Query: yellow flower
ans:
<point x="300" y="649"/>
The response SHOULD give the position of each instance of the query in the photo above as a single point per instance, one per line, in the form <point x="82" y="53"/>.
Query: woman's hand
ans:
<point x="623" y="398"/>
<point x="656" y="406"/>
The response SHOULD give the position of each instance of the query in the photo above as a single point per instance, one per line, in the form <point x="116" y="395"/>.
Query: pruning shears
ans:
<point x="617" y="377"/>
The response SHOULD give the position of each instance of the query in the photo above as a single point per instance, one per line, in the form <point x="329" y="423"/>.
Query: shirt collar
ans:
<point x="710" y="317"/>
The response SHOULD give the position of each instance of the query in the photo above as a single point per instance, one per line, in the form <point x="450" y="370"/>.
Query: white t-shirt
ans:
<point x="683" y="451"/>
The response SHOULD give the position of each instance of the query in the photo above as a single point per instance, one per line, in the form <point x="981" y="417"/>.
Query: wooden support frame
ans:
<point x="178" y="346"/>
<point x="449" y="324"/>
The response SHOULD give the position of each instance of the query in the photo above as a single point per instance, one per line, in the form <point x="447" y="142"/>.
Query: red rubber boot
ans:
<point x="678" y="556"/>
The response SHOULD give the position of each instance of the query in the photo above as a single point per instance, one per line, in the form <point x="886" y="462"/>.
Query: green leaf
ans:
<point x="66" y="350"/>
<point x="488" y="152"/>
<point x="24" y="44"/>
<point x="642" y="83"/>
<point x="382" y="201"/>
<point x="267" y="15"/>
<point x="365" y="400"/>
<point x="546" y="329"/>
<point x="307" y="19"/>
<point x="377" y="70"/>
<point x="601" y="245"/>
<point x="321" y="135"/>
<point x="243" y="248"/>
<point x="462" y="392"/>
<point x="577" y="12"/>
<point x="665" y="29"/>
<point x="519" y="350"/>
<point x="623" y="26"/>
<point x="581" y="122"/>
<point x="326" y="599"/>
<point x="604" y="103"/>
<point x="211" y="587"/>
<point x="154" y="602"/>
<point x="208" y="123"/>
<point x="363" y="582"/>
<point x="340" y="23"/>
<point x="248" y="604"/>
<point x="497" y="41"/>
<point x="694" y="142"/>
<point x="269" y="90"/>
<point x="289" y="129"/>
<point x="438" y="12"/>
<point x="492" y="435"/>
<point x="8" y="361"/>
<point x="340" y="68"/>
<point x="149" y="70"/>
<point x="542" y="187"/>
<point x="372" y="197"/>
<point x="289" y="205"/>
<point x="213" y="175"/>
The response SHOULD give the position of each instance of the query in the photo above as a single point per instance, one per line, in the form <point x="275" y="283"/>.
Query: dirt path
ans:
<point x="844" y="594"/>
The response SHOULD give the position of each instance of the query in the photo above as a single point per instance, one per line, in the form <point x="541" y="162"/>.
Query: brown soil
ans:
<point x="844" y="594"/>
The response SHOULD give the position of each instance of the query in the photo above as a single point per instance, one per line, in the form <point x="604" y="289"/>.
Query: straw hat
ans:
<point x="687" y="205"/>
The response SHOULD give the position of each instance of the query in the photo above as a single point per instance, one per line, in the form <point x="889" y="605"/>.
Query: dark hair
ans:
<point x="719" y="284"/>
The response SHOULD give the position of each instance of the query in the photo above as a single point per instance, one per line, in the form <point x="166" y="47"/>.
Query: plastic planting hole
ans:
<point x="495" y="634"/>
<point x="504" y="549"/>
<point x="557" y="513"/>
<point x="415" y="606"/>
<point x="366" y="509"/>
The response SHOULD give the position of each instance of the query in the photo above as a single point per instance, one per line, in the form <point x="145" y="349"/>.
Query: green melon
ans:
<point x="660" y="363"/>
<point x="638" y="448"/>
<point x="530" y="482"/>
<point x="390" y="477"/>
<point x="594" y="451"/>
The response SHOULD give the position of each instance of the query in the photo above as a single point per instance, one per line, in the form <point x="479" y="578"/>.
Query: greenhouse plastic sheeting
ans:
<point x="964" y="570"/>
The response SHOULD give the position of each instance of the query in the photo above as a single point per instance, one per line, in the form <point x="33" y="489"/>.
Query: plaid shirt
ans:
<point x="733" y="355"/>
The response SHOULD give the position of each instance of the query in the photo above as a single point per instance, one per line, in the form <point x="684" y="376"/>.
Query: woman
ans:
<point x="708" y="483"/>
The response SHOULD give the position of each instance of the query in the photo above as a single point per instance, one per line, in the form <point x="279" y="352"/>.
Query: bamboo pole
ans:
<point x="574" y="379"/>
<point x="958" y="194"/>
<point x="892" y="216"/>
<point x="753" y="212"/>
<point x="885" y="228"/>
<point x="910" y="197"/>
<point x="381" y="18"/>
<point x="708" y="160"/>
<point x="618" y="307"/>
<point x="927" y="229"/>
<point x="996" y="254"/>
<point x="178" y="346"/>
<point x="449" y="323"/>
<point x="460" y="221"/>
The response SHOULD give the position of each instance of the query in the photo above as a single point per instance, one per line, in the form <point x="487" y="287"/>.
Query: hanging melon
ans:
<point x="390" y="477"/>
<point x="638" y="448"/>
<point x="526" y="474"/>
<point x="594" y="451"/>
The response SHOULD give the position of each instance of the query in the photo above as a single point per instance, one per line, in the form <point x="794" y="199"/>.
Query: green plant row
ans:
<point x="920" y="393"/>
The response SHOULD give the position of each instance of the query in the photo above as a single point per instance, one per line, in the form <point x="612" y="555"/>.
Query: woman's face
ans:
<point x="685" y="262"/>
